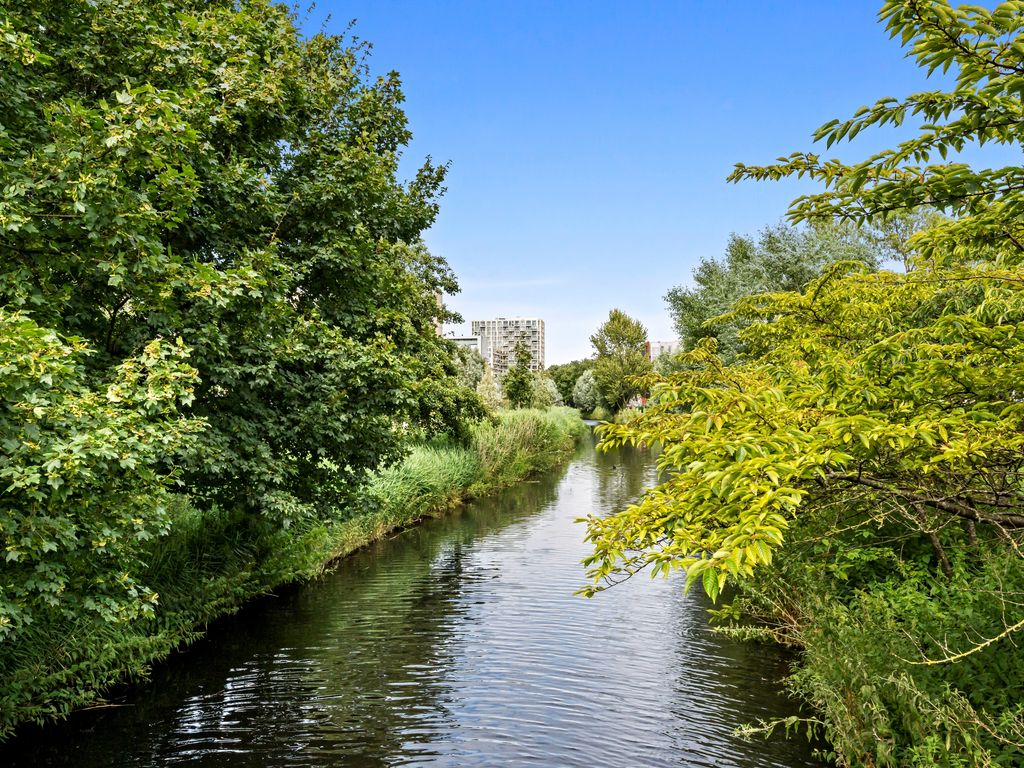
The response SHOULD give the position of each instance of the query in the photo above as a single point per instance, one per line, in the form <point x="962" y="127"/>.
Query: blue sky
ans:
<point x="589" y="141"/>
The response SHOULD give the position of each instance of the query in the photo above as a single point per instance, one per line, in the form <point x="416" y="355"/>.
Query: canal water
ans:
<point x="455" y="643"/>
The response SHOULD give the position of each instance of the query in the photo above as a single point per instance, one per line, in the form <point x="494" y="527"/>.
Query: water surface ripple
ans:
<point x="456" y="643"/>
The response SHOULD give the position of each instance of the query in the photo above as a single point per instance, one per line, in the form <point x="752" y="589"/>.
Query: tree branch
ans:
<point x="1008" y="520"/>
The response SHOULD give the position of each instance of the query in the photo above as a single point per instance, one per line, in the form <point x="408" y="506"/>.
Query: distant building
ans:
<point x="473" y="342"/>
<point x="656" y="349"/>
<point x="500" y="336"/>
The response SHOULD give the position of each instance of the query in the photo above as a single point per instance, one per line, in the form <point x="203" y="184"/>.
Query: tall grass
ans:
<point x="214" y="560"/>
<point x="435" y="477"/>
<point x="521" y="443"/>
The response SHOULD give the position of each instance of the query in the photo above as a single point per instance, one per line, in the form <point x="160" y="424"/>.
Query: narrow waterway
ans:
<point x="455" y="643"/>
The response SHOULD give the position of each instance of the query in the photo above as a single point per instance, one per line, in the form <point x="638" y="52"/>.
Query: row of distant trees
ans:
<point x="779" y="258"/>
<point x="606" y="382"/>
<point x="520" y="387"/>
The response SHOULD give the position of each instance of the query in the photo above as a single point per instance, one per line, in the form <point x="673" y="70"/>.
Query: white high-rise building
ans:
<point x="500" y="336"/>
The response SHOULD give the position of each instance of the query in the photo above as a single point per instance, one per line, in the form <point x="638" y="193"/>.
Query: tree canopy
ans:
<point x="488" y="390"/>
<point x="982" y="47"/>
<point x="902" y="372"/>
<point x="584" y="392"/>
<point x="207" y="248"/>
<point x="781" y="259"/>
<point x="621" y="358"/>
<point x="566" y="374"/>
<point x="518" y="381"/>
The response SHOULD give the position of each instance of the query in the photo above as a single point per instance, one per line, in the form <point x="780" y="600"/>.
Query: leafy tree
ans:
<point x="199" y="170"/>
<point x="666" y="363"/>
<point x="84" y="472"/>
<point x="781" y="259"/>
<point x="981" y="46"/>
<point x="445" y="403"/>
<point x="856" y="393"/>
<point x="566" y="374"/>
<point x="545" y="392"/>
<point x="489" y="392"/>
<point x="585" y="395"/>
<point x="892" y="236"/>
<point x="517" y="382"/>
<point x="471" y="366"/>
<point x="446" y="398"/>
<point x="621" y="358"/>
<point x="874" y="431"/>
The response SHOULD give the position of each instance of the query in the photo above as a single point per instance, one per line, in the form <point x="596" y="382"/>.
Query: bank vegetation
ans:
<point x="843" y="455"/>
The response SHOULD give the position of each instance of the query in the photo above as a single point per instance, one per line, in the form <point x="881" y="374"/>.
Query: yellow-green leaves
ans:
<point x="985" y="50"/>
<point x="868" y="447"/>
<point x="899" y="390"/>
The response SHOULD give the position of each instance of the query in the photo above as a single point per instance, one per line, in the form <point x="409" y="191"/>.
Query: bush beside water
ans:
<point x="213" y="560"/>
<point x="856" y="617"/>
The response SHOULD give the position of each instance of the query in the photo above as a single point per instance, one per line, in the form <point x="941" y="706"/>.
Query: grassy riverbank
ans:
<point x="437" y="476"/>
<point x="212" y="561"/>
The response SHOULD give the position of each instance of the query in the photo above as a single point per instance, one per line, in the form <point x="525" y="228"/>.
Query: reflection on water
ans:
<point x="456" y="643"/>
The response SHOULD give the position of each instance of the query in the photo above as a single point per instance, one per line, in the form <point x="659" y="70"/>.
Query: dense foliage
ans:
<point x="565" y="376"/>
<point x="489" y="391"/>
<point x="781" y="259"/>
<point x="84" y="490"/>
<point x="857" y="473"/>
<point x="471" y="367"/>
<point x="585" y="394"/>
<point x="544" y="392"/>
<point x="211" y="283"/>
<point x="621" y="357"/>
<point x="518" y="381"/>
